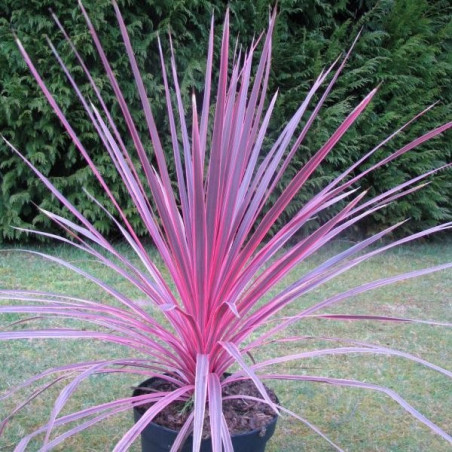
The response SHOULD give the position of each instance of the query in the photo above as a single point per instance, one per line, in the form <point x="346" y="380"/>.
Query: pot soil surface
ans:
<point x="242" y="415"/>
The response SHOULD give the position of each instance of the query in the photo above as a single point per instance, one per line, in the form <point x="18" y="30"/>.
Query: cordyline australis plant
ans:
<point x="212" y="234"/>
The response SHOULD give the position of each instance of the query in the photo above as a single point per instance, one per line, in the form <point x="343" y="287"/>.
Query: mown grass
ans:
<point x="357" y="420"/>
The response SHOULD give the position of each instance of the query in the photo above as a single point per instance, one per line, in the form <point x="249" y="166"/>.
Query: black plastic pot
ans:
<point x="156" y="438"/>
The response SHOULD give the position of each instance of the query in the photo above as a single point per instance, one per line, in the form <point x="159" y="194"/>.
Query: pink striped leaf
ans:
<point x="359" y="384"/>
<point x="126" y="441"/>
<point x="350" y="350"/>
<point x="215" y="410"/>
<point x="184" y="432"/>
<point x="200" y="395"/>
<point x="291" y="413"/>
<point x="379" y="318"/>
<point x="28" y="400"/>
<point x="115" y="407"/>
<point x="235" y="353"/>
<point x="226" y="435"/>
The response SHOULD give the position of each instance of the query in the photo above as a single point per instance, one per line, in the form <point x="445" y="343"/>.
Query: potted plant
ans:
<point x="211" y="232"/>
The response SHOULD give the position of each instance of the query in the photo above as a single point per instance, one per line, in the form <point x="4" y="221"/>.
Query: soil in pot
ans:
<point x="251" y="423"/>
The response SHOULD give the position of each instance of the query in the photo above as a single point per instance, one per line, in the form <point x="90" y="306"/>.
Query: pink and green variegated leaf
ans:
<point x="379" y="318"/>
<point x="215" y="410"/>
<point x="51" y="300"/>
<point x="362" y="385"/>
<point x="201" y="384"/>
<point x="184" y="432"/>
<point x="371" y="286"/>
<point x="29" y="399"/>
<point x="107" y="410"/>
<point x="66" y="393"/>
<point x="301" y="177"/>
<point x="291" y="413"/>
<point x="66" y="333"/>
<point x="321" y="275"/>
<point x="126" y="441"/>
<point x="226" y="435"/>
<point x="110" y="290"/>
<point x="350" y="350"/>
<point x="311" y="426"/>
<point x="235" y="353"/>
<point x="72" y="369"/>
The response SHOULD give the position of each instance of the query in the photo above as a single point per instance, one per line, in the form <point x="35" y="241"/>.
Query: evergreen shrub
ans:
<point x="405" y="45"/>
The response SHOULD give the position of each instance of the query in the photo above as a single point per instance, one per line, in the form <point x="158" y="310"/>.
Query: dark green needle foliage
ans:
<point x="405" y="45"/>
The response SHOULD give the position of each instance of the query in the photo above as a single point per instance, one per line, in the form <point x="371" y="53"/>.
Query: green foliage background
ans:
<point x="405" y="45"/>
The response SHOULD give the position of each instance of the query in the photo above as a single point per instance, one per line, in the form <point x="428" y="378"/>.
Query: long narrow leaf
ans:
<point x="201" y="378"/>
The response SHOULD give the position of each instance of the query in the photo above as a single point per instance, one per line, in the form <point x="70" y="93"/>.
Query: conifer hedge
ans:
<point x="405" y="45"/>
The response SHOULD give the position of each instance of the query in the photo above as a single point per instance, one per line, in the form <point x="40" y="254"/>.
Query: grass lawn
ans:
<point x="357" y="420"/>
